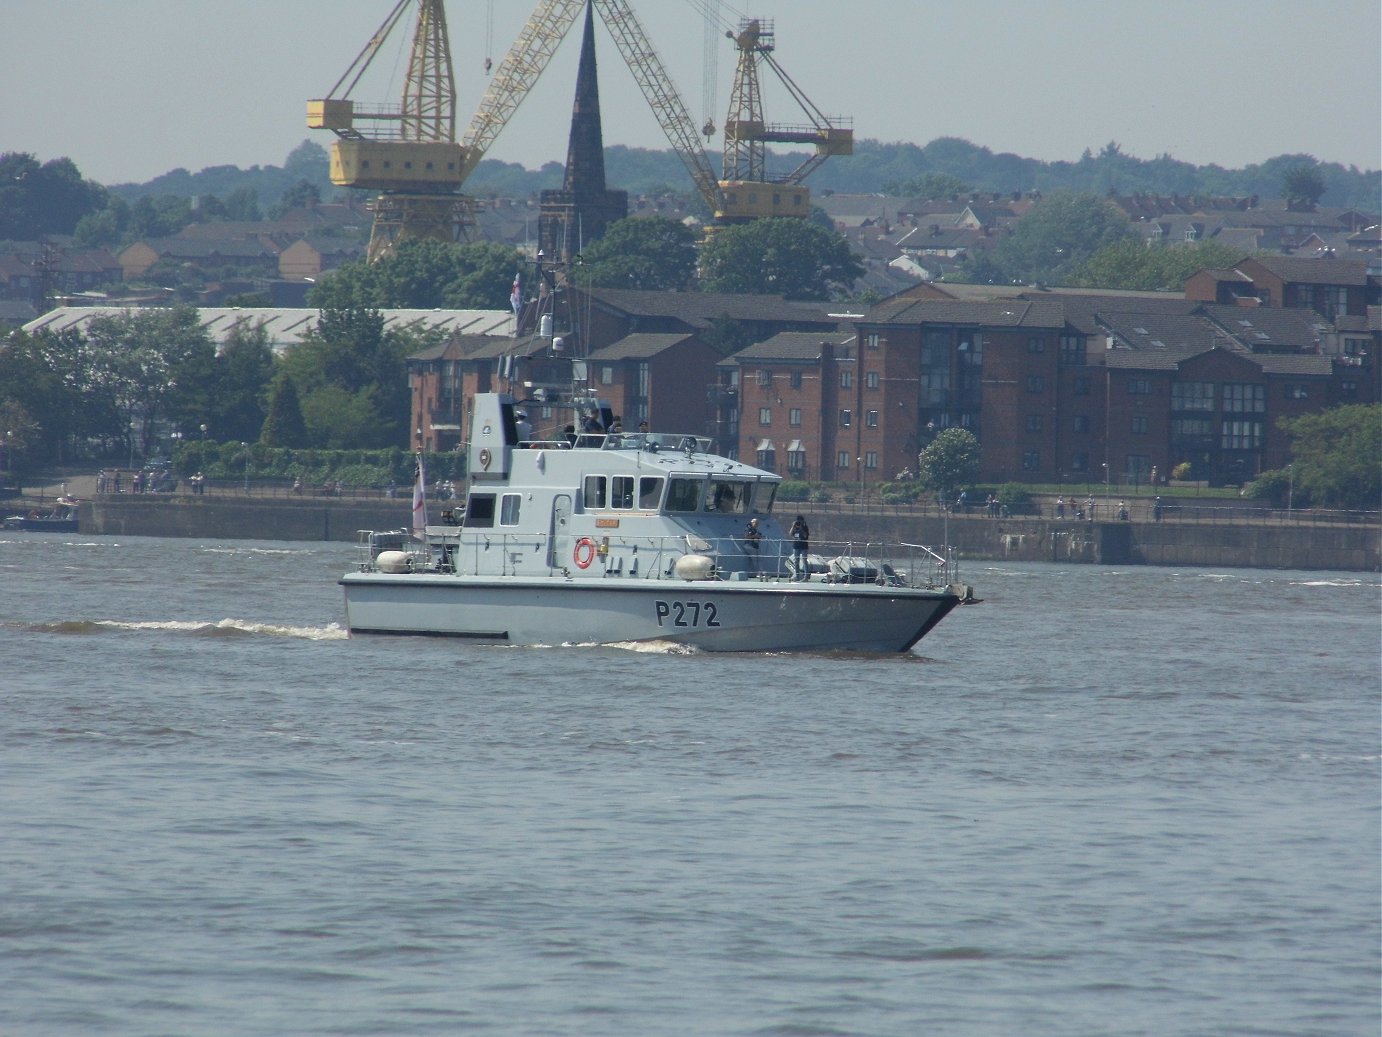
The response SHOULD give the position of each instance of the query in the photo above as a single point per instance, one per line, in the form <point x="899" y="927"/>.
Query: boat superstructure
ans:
<point x="602" y="536"/>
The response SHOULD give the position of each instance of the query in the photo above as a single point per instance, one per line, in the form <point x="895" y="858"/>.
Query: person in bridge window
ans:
<point x="801" y="547"/>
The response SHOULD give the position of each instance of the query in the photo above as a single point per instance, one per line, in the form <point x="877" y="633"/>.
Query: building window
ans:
<point x="1031" y="460"/>
<point x="606" y="374"/>
<point x="1348" y="389"/>
<point x="1036" y="344"/>
<point x="1139" y="467"/>
<point x="1241" y="435"/>
<point x="1081" y="422"/>
<point x="796" y="461"/>
<point x="871" y="340"/>
<point x="1243" y="398"/>
<point x="871" y="380"/>
<point x="1072" y="351"/>
<point x="1036" y="383"/>
<point x="871" y="419"/>
<point x="1139" y="425"/>
<point x="767" y="459"/>
<point x="846" y="379"/>
<point x="765" y="415"/>
<point x="796" y="379"/>
<point x="1139" y="387"/>
<point x="1079" y="386"/>
<point x="1297" y="392"/>
<point x="794" y="417"/>
<point x="1033" y="422"/>
<point x="1079" y="461"/>
<point x="765" y="377"/>
<point x="842" y="460"/>
<point x="1188" y="427"/>
<point x="845" y="418"/>
<point x="871" y="459"/>
<point x="1192" y="396"/>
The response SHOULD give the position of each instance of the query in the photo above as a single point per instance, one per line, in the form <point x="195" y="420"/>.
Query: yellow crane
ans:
<point x="748" y="190"/>
<point x="407" y="152"/>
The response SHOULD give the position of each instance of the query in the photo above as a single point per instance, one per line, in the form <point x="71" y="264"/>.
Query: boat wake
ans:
<point x="226" y="628"/>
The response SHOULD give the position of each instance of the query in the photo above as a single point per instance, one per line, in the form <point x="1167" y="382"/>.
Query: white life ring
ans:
<point x="583" y="553"/>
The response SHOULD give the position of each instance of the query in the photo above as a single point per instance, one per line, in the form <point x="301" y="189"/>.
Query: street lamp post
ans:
<point x="247" y="466"/>
<point x="860" y="462"/>
<point x="131" y="449"/>
<point x="9" y="463"/>
<point x="1290" y="489"/>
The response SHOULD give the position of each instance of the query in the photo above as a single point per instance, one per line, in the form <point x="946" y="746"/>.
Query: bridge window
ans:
<point x="649" y="492"/>
<point x="684" y="494"/>
<point x="479" y="511"/>
<point x="508" y="509"/>
<point x="595" y="492"/>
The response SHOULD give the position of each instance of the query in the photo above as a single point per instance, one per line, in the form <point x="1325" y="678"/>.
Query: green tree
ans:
<point x="1303" y="186"/>
<point x="423" y="275"/>
<point x="1054" y="239"/>
<point x="949" y="462"/>
<point x="284" y="425"/>
<point x="1132" y="265"/>
<point x="244" y="370"/>
<point x="47" y="198"/>
<point x="302" y="193"/>
<point x="653" y="254"/>
<point x="786" y="257"/>
<point x="159" y="217"/>
<point x="931" y="185"/>
<point x="352" y="379"/>
<point x="1336" y="457"/>
<point x="106" y="227"/>
<point x="152" y="364"/>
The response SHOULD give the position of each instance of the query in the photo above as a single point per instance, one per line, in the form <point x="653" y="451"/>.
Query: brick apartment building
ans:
<point x="1058" y="386"/>
<point x="650" y="354"/>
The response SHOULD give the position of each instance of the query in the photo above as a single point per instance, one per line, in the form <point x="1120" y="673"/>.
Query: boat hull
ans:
<point x="742" y="616"/>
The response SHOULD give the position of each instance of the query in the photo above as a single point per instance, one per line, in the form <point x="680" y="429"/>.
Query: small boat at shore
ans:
<point x="610" y="537"/>
<point x="61" y="518"/>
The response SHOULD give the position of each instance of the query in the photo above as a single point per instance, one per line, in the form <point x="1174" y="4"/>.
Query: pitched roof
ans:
<point x="639" y="346"/>
<point x="699" y="309"/>
<point x="800" y="346"/>
<point x="1013" y="313"/>
<point x="1353" y="272"/>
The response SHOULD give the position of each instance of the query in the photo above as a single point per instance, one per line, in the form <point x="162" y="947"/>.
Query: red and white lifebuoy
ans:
<point x="583" y="553"/>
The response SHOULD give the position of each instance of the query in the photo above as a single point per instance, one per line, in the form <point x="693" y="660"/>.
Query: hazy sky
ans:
<point x="132" y="88"/>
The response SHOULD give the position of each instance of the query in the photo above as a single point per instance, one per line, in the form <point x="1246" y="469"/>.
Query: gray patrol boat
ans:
<point x="610" y="537"/>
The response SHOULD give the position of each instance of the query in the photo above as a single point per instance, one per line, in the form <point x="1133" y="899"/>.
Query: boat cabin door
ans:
<point x="559" y="538"/>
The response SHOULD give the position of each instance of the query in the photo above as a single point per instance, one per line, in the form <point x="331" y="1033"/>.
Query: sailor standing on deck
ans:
<point x="801" y="546"/>
<point x="753" y="536"/>
<point x="525" y="430"/>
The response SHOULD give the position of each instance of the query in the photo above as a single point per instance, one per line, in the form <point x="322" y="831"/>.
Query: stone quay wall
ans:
<point x="1353" y="547"/>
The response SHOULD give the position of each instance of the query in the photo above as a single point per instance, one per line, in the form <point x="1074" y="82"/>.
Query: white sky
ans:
<point x="133" y="88"/>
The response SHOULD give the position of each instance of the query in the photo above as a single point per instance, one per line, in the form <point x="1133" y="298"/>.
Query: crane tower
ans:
<point x="749" y="192"/>
<point x="407" y="152"/>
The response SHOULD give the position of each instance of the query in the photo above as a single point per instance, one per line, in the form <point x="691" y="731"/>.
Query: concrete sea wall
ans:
<point x="1356" y="548"/>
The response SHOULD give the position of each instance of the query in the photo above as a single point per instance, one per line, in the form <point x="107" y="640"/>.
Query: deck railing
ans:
<point x="493" y="553"/>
